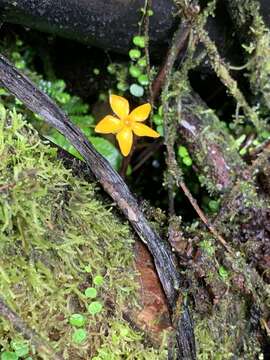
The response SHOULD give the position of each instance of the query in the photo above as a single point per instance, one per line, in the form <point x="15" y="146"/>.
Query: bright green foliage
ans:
<point x="77" y="320"/>
<point x="8" y="355"/>
<point x="122" y="86"/>
<point x="21" y="347"/>
<point x="54" y="233"/>
<point x="223" y="273"/>
<point x="79" y="336"/>
<point x="157" y="119"/>
<point x="184" y="155"/>
<point x="208" y="247"/>
<point x="90" y="292"/>
<point x="108" y="150"/>
<point x="134" y="71"/>
<point x="96" y="71"/>
<point x="187" y="161"/>
<point x="111" y="68"/>
<point x="142" y="62"/>
<point x="95" y="307"/>
<point x="143" y="80"/>
<point x="98" y="280"/>
<point x="103" y="146"/>
<point x="139" y="41"/>
<point x="182" y="151"/>
<point x="134" y="54"/>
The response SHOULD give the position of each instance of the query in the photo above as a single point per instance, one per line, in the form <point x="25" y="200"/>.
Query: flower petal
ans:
<point x="119" y="105"/>
<point x="140" y="113"/>
<point x="125" y="139"/>
<point x="108" y="125"/>
<point x="144" y="130"/>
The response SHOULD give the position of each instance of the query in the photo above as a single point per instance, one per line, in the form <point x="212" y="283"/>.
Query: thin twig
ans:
<point x="147" y="153"/>
<point x="146" y="51"/>
<point x="203" y="217"/>
<point x="40" y="345"/>
<point x="180" y="41"/>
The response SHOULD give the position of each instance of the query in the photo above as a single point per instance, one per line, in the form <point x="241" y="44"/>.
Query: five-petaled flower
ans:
<point x="126" y="124"/>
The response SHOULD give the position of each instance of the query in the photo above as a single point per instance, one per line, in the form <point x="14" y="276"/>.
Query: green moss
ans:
<point x="55" y="239"/>
<point x="225" y="334"/>
<point x="256" y="41"/>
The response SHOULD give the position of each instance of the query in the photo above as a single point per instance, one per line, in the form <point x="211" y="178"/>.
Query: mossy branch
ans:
<point x="222" y="71"/>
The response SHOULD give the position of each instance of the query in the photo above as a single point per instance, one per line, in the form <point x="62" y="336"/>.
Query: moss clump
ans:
<point x="55" y="238"/>
<point x="226" y="334"/>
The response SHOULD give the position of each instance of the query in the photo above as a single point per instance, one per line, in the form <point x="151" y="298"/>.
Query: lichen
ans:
<point x="55" y="237"/>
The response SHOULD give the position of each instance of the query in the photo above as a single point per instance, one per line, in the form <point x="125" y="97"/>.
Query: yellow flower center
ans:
<point x="127" y="122"/>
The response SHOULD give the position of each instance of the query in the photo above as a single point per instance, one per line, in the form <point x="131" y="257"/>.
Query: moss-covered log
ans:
<point x="57" y="239"/>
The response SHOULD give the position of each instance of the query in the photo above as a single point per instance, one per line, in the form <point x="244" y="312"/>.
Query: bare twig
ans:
<point x="180" y="41"/>
<point x="203" y="217"/>
<point x="41" y="345"/>
<point x="146" y="154"/>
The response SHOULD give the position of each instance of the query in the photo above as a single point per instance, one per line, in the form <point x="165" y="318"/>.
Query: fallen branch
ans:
<point x="179" y="42"/>
<point x="41" y="345"/>
<point x="113" y="184"/>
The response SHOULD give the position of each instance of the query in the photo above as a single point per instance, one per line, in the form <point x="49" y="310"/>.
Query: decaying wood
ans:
<point x="218" y="162"/>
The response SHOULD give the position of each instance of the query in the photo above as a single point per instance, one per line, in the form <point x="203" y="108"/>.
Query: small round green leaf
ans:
<point x="90" y="292"/>
<point x="139" y="41"/>
<point x="160" y="130"/>
<point x="95" y="307"/>
<point x="77" y="320"/>
<point x="134" y="71"/>
<point x="182" y="151"/>
<point x="142" y="62"/>
<point x="122" y="86"/>
<point x="98" y="280"/>
<point x="187" y="161"/>
<point x="134" y="54"/>
<point x="111" y="68"/>
<point x="157" y="119"/>
<point x="136" y="90"/>
<point x="143" y="80"/>
<point x="79" y="336"/>
<point x="213" y="205"/>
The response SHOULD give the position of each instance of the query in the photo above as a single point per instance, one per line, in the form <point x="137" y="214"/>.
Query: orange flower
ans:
<point x="126" y="124"/>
